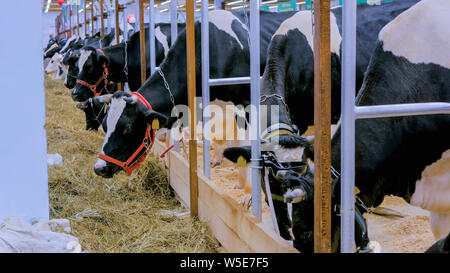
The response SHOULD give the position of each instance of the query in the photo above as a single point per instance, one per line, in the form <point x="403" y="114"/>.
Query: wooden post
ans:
<point x="116" y="13"/>
<point x="142" y="42"/>
<point x="190" y="50"/>
<point x="101" y="18"/>
<point x="322" y="123"/>
<point x="92" y="17"/>
<point x="70" y="20"/>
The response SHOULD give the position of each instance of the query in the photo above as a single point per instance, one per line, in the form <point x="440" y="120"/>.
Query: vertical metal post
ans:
<point x="142" y="42"/>
<point x="70" y="21"/>
<point x="255" y="101"/>
<point x="102" y="23"/>
<point x="125" y="34"/>
<point x="125" y="22"/>
<point x="348" y="126"/>
<point x="85" y="19"/>
<point x="218" y="4"/>
<point x="205" y="88"/>
<point x="322" y="124"/>
<point x="173" y="36"/>
<point x="78" y="21"/>
<point x="174" y="21"/>
<point x="92" y="17"/>
<point x="151" y="36"/>
<point x="190" y="50"/>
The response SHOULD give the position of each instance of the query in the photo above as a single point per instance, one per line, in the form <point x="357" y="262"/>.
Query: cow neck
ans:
<point x="156" y="91"/>
<point x="116" y="58"/>
<point x="272" y="96"/>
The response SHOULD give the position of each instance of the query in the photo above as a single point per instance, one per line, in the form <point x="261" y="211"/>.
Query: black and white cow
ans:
<point x="410" y="64"/>
<point x="94" y="111"/>
<point x="229" y="57"/>
<point x="90" y="63"/>
<point x="289" y="69"/>
<point x="288" y="79"/>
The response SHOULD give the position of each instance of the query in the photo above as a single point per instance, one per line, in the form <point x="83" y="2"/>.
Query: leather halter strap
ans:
<point x="134" y="161"/>
<point x="103" y="78"/>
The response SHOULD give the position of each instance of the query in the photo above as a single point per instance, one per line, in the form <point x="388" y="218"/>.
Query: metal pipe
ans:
<point x="151" y="33"/>
<point x="348" y="126"/>
<point x="398" y="110"/>
<point x="142" y="42"/>
<point x="255" y="101"/>
<point x="173" y="21"/>
<point x="125" y="35"/>
<point x="173" y="36"/>
<point x="218" y="4"/>
<point x="205" y="88"/>
<point x="229" y="81"/>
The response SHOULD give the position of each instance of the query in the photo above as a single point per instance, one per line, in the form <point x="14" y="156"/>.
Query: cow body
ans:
<point x="390" y="153"/>
<point x="290" y="60"/>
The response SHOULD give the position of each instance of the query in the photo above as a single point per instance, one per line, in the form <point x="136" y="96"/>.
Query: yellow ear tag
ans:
<point x="356" y="192"/>
<point x="50" y="76"/>
<point x="155" y="124"/>
<point x="241" y="162"/>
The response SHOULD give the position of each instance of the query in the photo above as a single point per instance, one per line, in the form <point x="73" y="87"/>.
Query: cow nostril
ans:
<point x="99" y="170"/>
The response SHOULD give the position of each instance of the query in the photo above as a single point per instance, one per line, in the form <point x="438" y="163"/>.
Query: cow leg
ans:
<point x="440" y="224"/>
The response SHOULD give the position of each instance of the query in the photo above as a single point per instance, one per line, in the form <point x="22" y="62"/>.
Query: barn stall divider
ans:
<point x="350" y="112"/>
<point x="237" y="229"/>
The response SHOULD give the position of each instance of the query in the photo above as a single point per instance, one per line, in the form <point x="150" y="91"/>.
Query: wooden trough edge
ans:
<point x="234" y="227"/>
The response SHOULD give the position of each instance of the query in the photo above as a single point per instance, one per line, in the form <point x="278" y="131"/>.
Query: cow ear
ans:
<point x="157" y="120"/>
<point x="235" y="153"/>
<point x="103" y="59"/>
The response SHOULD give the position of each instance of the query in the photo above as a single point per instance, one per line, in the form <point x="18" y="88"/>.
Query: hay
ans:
<point x="105" y="214"/>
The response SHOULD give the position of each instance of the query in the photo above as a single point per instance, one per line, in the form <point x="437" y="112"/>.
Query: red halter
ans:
<point x="133" y="163"/>
<point x="103" y="78"/>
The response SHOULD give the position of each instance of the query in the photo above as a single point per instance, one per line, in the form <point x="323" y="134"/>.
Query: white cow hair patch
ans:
<point x="302" y="22"/>
<point x="421" y="34"/>
<point x="223" y="20"/>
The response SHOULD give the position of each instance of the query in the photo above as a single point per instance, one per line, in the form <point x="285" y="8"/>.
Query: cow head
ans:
<point x="91" y="68"/>
<point x="71" y="60"/>
<point x="94" y="111"/>
<point x="54" y="63"/>
<point x="125" y="124"/>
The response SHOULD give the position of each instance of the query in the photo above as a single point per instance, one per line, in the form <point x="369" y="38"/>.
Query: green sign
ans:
<point x="308" y="5"/>
<point x="265" y="7"/>
<point x="287" y="6"/>
<point x="370" y="2"/>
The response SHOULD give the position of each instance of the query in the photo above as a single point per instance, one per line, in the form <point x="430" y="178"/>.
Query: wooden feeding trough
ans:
<point x="233" y="226"/>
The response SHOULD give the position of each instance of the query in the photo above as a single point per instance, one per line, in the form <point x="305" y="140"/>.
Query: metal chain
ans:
<point x="263" y="98"/>
<point x="125" y="67"/>
<point x="93" y="111"/>
<point x="172" y="99"/>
